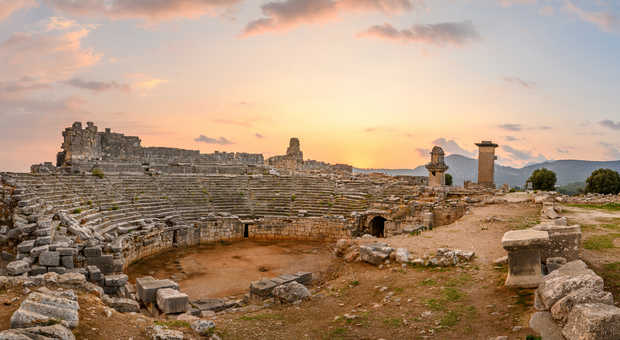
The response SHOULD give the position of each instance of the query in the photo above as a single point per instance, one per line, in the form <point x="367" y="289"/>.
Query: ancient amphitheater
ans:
<point x="109" y="204"/>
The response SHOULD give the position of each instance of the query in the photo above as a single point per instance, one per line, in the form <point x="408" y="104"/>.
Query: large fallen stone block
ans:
<point x="17" y="267"/>
<point x="117" y="280"/>
<point x="290" y="292"/>
<point x="375" y="253"/>
<point x="147" y="287"/>
<point x="565" y="280"/>
<point x="215" y="305"/>
<point x="593" y="321"/>
<point x="561" y="309"/>
<point x="43" y="308"/>
<point x="55" y="332"/>
<point x="524" y="261"/>
<point x="542" y="323"/>
<point x="171" y="301"/>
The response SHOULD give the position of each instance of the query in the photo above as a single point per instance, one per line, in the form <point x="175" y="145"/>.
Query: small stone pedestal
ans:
<point x="524" y="261"/>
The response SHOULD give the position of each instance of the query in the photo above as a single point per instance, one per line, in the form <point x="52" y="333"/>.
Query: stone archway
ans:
<point x="376" y="226"/>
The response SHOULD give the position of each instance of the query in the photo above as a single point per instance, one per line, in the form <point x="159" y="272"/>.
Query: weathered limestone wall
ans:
<point x="144" y="244"/>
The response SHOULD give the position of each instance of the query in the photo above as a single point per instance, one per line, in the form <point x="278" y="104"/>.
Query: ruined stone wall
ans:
<point x="87" y="145"/>
<point x="448" y="213"/>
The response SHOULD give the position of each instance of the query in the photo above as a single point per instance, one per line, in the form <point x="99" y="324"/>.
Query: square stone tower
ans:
<point x="486" y="163"/>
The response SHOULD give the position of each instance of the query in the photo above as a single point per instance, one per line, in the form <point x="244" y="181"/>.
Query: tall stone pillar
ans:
<point x="486" y="163"/>
<point x="437" y="168"/>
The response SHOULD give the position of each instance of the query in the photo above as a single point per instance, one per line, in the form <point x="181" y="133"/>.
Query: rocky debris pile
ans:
<point x="292" y="292"/>
<point x="571" y="302"/>
<point x="209" y="306"/>
<point x="446" y="257"/>
<point x="264" y="289"/>
<point x="348" y="250"/>
<point x="45" y="314"/>
<point x="161" y="296"/>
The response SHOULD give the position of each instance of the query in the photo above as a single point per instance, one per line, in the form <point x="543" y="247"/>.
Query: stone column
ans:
<point x="524" y="261"/>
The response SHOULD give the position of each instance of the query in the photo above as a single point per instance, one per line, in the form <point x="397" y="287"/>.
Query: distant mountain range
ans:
<point x="464" y="168"/>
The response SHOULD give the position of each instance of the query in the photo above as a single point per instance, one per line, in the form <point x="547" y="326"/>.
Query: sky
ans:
<point x="372" y="83"/>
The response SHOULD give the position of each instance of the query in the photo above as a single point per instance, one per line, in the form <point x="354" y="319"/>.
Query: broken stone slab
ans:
<point x="291" y="292"/>
<point x="262" y="288"/>
<point x="147" y="287"/>
<point x="55" y="332"/>
<point x="593" y="321"/>
<point x="25" y="246"/>
<point x="41" y="309"/>
<point x="202" y="327"/>
<point x="171" y="301"/>
<point x="162" y="333"/>
<point x="563" y="307"/>
<point x="543" y="324"/>
<point x="305" y="278"/>
<point x="524" y="261"/>
<point x="566" y="279"/>
<point x="36" y="251"/>
<point x="375" y="253"/>
<point x="71" y="279"/>
<point x="402" y="255"/>
<point x="564" y="241"/>
<point x="122" y="305"/>
<point x="17" y="267"/>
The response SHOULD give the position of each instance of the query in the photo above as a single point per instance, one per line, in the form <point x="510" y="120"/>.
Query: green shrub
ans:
<point x="76" y="211"/>
<point x="543" y="179"/>
<point x="603" y="181"/>
<point x="98" y="173"/>
<point x="448" y="178"/>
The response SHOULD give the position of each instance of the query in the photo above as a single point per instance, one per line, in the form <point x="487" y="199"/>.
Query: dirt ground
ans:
<point x="230" y="268"/>
<point x="366" y="302"/>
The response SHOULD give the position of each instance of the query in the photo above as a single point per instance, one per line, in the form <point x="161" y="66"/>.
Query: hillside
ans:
<point x="464" y="168"/>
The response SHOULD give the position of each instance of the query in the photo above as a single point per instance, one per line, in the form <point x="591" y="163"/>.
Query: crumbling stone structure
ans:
<point x="486" y="163"/>
<point x="292" y="160"/>
<point x="437" y="168"/>
<point x="85" y="149"/>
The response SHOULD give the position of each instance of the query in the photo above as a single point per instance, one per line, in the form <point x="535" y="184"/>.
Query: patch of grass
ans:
<point x="173" y="323"/>
<point x="612" y="206"/>
<point x="393" y="322"/>
<point x="450" y="319"/>
<point x="435" y="304"/>
<point x="526" y="224"/>
<point x="262" y="317"/>
<point x="611" y="274"/>
<point x="337" y="334"/>
<point x="114" y="207"/>
<point x="98" y="173"/>
<point x="428" y="282"/>
<point x="76" y="211"/>
<point x="598" y="242"/>
<point x="354" y="283"/>
<point x="452" y="294"/>
<point x="611" y="226"/>
<point x="533" y="337"/>
<point x="460" y="280"/>
<point x="398" y="290"/>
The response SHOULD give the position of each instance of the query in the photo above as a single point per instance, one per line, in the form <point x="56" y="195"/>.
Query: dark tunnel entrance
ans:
<point x="377" y="226"/>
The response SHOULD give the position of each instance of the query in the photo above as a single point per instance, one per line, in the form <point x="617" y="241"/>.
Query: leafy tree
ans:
<point x="572" y="188"/>
<point x="603" y="181"/>
<point x="543" y="179"/>
<point x="448" y="179"/>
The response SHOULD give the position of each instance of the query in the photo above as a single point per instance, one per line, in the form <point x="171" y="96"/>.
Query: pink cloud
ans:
<point x="285" y="15"/>
<point x="48" y="56"/>
<point x="605" y="20"/>
<point x="7" y="7"/>
<point x="152" y="10"/>
<point x="447" y="33"/>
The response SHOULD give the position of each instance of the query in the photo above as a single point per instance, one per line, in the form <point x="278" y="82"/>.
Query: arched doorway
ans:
<point x="377" y="226"/>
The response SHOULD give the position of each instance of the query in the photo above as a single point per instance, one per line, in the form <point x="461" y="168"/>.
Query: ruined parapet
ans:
<point x="486" y="163"/>
<point x="524" y="261"/>
<point x="80" y="144"/>
<point x="437" y="168"/>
